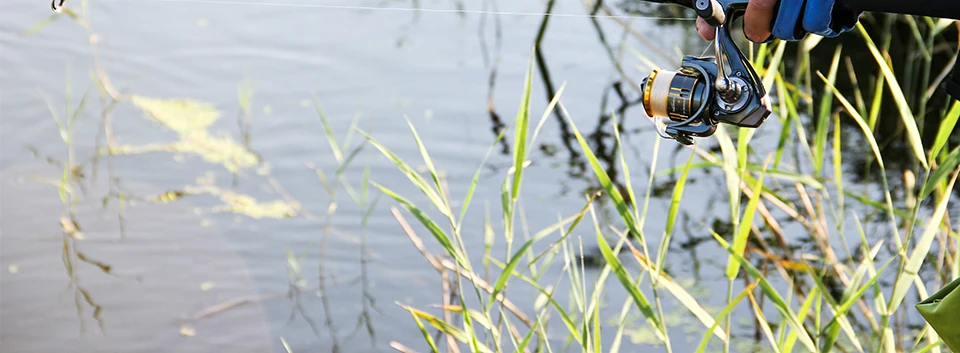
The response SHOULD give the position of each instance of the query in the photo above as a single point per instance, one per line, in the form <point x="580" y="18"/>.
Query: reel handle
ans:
<point x="753" y="111"/>
<point x="711" y="11"/>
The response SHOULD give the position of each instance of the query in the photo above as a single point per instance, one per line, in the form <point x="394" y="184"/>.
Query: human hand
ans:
<point x="757" y="21"/>
<point x="790" y="20"/>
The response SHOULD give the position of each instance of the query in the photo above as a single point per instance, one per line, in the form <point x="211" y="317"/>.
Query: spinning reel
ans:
<point x="706" y="91"/>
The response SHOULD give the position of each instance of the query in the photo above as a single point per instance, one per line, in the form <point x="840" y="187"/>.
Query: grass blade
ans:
<point x="41" y="24"/>
<point x="773" y="173"/>
<point x="520" y="139"/>
<point x="638" y="298"/>
<point x="930" y="347"/>
<point x="437" y="233"/>
<point x="334" y="146"/>
<point x="546" y="113"/>
<point x="791" y="338"/>
<point x="878" y="205"/>
<point x="743" y="147"/>
<point x="549" y="297"/>
<point x="729" y="169"/>
<point x="604" y="179"/>
<point x="838" y="171"/>
<point x="920" y="252"/>
<point x="626" y="168"/>
<point x="426" y="335"/>
<point x="868" y="134"/>
<point x="743" y="229"/>
<point x="839" y="321"/>
<point x="909" y="122"/>
<point x="681" y="294"/>
<point x="765" y="327"/>
<point x="476" y="177"/>
<point x="852" y="294"/>
<point x="474" y="315"/>
<point x="826" y="103"/>
<point x="723" y="314"/>
<point x="946" y="128"/>
<point x="526" y="339"/>
<point x="518" y="255"/>
<point x="940" y="174"/>
<point x="411" y="174"/>
<point x="444" y="205"/>
<point x="672" y="216"/>
<point x="444" y="327"/>
<point x="772" y="67"/>
<point x="774" y="296"/>
<point x="350" y="157"/>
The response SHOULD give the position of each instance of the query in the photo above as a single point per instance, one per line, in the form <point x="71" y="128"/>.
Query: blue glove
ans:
<point x="796" y="18"/>
<point x="822" y="18"/>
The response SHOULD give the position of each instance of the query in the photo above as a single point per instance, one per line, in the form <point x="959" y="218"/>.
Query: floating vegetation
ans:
<point x="190" y="119"/>
<point x="187" y="331"/>
<point x="70" y="227"/>
<point x="169" y="196"/>
<point x="182" y="116"/>
<point x="247" y="205"/>
<point x="233" y="202"/>
<point x="218" y="150"/>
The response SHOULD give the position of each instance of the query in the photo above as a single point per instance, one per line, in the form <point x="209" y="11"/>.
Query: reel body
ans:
<point x="706" y="91"/>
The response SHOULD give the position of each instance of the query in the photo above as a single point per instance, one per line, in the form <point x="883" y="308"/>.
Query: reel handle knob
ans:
<point x="711" y="11"/>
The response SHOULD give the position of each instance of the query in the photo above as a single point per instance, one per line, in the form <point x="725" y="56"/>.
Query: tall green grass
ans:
<point x="791" y="294"/>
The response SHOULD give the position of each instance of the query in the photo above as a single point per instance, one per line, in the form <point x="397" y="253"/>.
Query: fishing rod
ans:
<point x="705" y="91"/>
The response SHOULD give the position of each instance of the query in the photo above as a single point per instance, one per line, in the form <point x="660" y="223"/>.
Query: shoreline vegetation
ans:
<point x="847" y="291"/>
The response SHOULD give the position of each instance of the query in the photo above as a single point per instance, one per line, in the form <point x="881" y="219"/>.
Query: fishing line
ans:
<point x="407" y="9"/>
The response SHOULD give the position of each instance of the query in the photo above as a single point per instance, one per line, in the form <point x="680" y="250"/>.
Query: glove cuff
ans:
<point x="788" y="25"/>
<point x="824" y="18"/>
<point x="796" y="18"/>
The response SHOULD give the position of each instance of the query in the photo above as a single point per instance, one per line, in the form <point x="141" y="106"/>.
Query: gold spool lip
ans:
<point x="657" y="93"/>
<point x="648" y="87"/>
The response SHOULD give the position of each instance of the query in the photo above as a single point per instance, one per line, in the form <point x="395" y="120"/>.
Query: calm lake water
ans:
<point x="182" y="277"/>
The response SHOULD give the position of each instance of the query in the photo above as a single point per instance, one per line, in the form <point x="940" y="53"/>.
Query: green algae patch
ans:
<point x="190" y="119"/>
<point x="180" y="115"/>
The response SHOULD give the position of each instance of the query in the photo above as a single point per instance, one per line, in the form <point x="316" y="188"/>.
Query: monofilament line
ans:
<point x="407" y="9"/>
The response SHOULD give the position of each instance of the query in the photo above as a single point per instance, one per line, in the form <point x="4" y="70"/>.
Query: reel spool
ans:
<point x="679" y="97"/>
<point x="676" y="95"/>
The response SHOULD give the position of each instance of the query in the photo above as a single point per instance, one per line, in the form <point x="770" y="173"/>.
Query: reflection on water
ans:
<point x="203" y="187"/>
